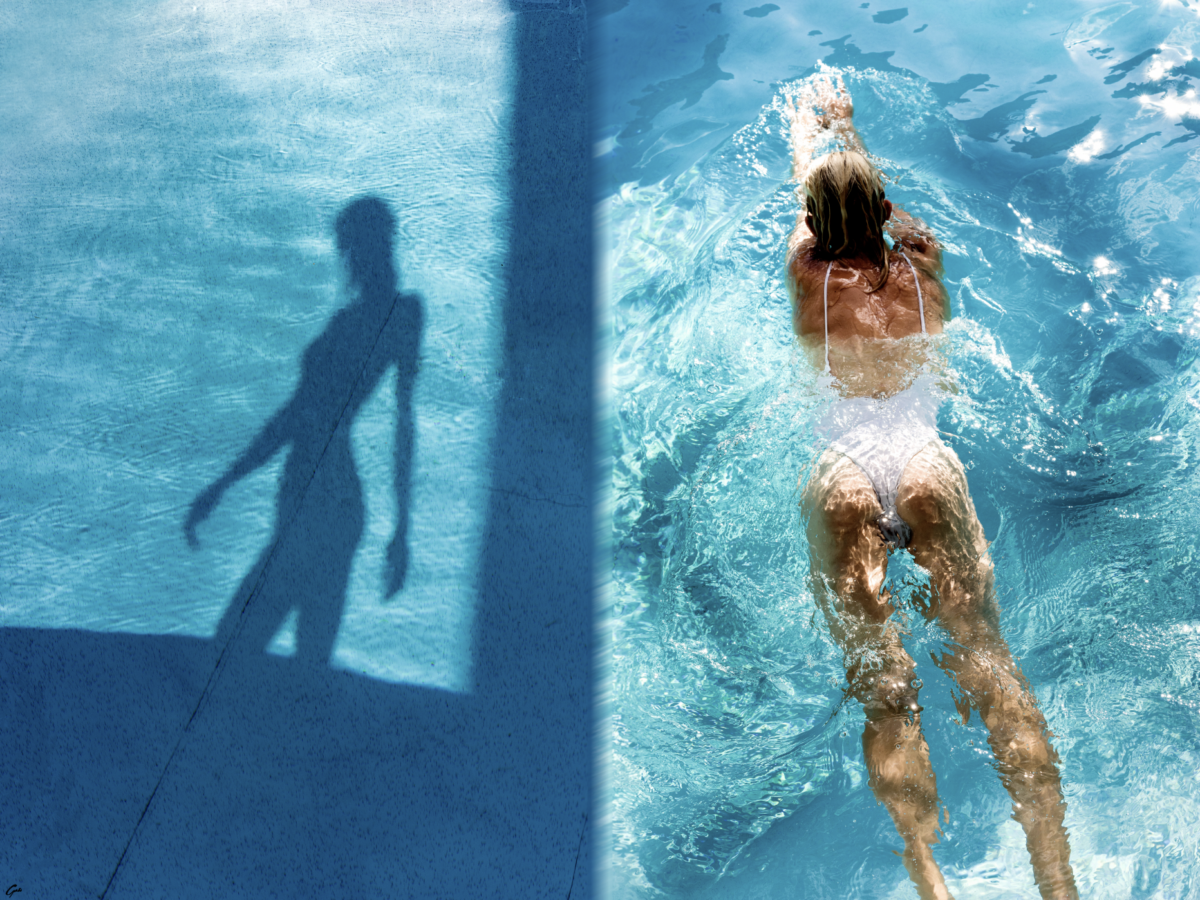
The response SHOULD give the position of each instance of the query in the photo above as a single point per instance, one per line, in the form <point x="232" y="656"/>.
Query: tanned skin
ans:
<point x="849" y="559"/>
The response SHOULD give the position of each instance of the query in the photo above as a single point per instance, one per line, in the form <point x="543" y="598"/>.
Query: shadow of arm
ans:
<point x="408" y="345"/>
<point x="269" y="441"/>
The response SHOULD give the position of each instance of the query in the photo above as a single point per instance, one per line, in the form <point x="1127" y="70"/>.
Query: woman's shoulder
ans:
<point x="805" y="262"/>
<point x="915" y="240"/>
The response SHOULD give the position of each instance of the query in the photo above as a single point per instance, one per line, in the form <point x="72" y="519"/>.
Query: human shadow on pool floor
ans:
<point x="282" y="777"/>
<point x="141" y="766"/>
<point x="319" y="512"/>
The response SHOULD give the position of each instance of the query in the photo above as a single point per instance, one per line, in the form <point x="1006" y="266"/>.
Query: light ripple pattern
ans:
<point x="169" y="183"/>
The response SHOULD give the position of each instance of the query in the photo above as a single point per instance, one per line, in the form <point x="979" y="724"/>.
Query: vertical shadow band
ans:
<point x="533" y="641"/>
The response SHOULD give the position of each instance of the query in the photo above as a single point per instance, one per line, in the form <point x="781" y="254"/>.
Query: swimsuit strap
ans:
<point x="920" y="300"/>
<point x="827" y="271"/>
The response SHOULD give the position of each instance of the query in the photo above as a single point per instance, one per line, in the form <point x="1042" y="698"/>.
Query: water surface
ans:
<point x="1050" y="148"/>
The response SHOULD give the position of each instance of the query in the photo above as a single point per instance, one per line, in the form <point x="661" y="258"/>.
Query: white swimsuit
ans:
<point x="882" y="436"/>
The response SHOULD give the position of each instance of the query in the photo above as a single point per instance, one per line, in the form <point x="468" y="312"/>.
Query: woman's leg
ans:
<point x="948" y="542"/>
<point x="848" y="565"/>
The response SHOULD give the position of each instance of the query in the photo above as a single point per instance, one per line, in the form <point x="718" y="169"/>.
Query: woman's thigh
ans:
<point x="847" y="556"/>
<point x="948" y="540"/>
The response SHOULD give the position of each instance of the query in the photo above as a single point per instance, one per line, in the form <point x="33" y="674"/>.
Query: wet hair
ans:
<point x="844" y="195"/>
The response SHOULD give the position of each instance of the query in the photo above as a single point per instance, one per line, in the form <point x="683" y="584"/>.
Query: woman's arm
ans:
<point x="916" y="239"/>
<point x="820" y="112"/>
<point x="817" y="113"/>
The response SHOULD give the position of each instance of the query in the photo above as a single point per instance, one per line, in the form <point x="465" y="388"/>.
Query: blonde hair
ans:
<point x="844" y="195"/>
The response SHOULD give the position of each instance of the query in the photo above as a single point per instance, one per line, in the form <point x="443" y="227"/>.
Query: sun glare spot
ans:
<point x="1157" y="70"/>
<point x="1087" y="148"/>
<point x="1181" y="107"/>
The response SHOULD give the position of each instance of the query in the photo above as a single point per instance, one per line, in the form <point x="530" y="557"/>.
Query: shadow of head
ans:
<point x="365" y="230"/>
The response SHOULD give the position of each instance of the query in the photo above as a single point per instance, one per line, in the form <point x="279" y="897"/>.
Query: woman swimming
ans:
<point x="885" y="481"/>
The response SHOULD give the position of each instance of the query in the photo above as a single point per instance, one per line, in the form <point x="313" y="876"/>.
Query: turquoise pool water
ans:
<point x="1051" y="149"/>
<point x="171" y="182"/>
<point x="283" y="287"/>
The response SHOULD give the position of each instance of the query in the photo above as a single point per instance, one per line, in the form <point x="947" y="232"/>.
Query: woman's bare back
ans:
<point x="864" y="324"/>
